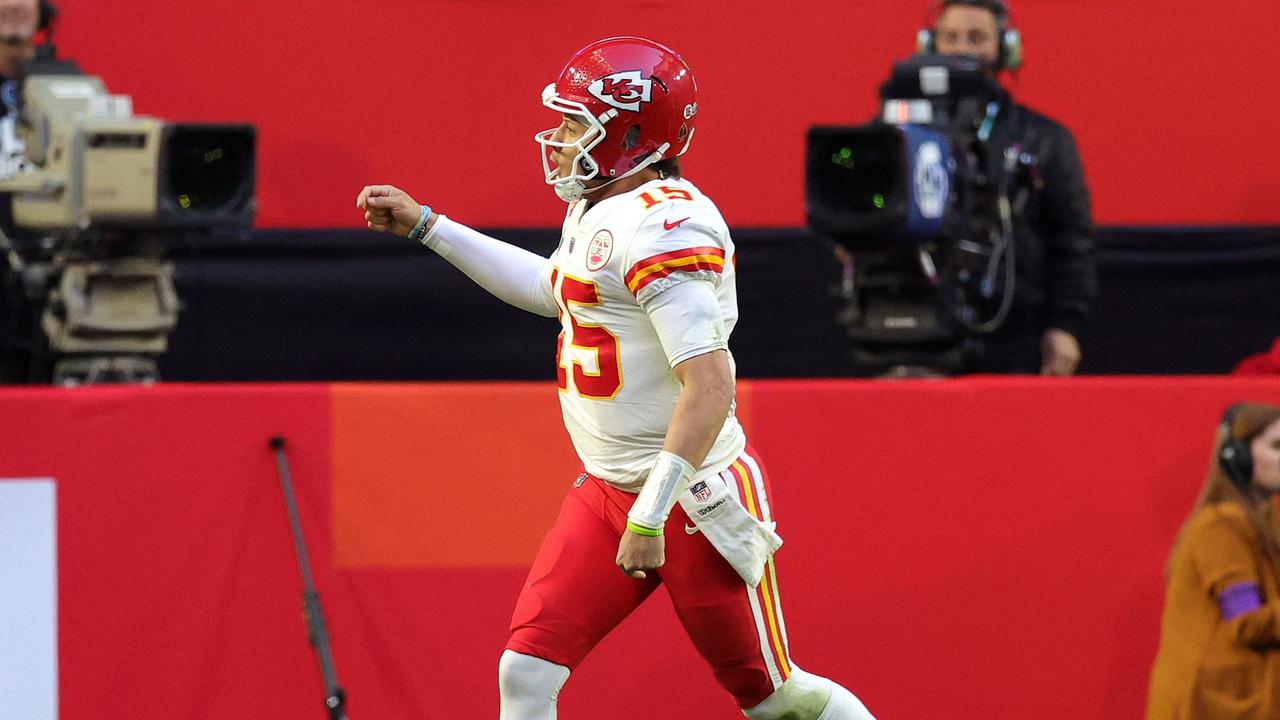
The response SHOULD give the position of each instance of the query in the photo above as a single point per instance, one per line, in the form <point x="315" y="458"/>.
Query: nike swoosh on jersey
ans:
<point x="673" y="225"/>
<point x="691" y="529"/>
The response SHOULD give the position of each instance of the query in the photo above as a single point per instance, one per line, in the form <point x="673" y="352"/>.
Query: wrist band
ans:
<point x="432" y="239"/>
<point x="421" y="228"/>
<point x="642" y="530"/>
<point x="668" y="478"/>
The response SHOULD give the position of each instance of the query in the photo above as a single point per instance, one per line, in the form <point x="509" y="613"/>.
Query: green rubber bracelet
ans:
<point x="642" y="530"/>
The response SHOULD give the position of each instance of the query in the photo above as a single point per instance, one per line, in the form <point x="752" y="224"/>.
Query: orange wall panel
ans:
<point x="446" y="475"/>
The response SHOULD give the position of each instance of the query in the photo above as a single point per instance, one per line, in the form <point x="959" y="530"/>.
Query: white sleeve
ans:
<point x="687" y="319"/>
<point x="513" y="275"/>
<point x="673" y="247"/>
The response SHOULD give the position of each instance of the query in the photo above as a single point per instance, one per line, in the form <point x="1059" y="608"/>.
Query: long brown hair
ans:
<point x="1248" y="421"/>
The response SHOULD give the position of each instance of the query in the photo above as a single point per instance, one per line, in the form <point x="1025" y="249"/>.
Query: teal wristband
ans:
<point x="642" y="530"/>
<point x="420" y="230"/>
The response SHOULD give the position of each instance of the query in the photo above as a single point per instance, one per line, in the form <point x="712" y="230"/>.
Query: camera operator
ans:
<point x="24" y="24"/>
<point x="1056" y="278"/>
<point x="20" y="22"/>
<point x="96" y="195"/>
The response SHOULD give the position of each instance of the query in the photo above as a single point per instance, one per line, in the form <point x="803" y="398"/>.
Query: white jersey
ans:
<point x="617" y="387"/>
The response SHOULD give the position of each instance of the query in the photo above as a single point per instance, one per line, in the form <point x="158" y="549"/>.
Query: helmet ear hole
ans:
<point x="588" y="164"/>
<point x="632" y="138"/>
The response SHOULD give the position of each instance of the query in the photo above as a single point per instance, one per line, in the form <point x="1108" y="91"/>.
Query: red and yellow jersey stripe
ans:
<point x="659" y="266"/>
<point x="777" y="657"/>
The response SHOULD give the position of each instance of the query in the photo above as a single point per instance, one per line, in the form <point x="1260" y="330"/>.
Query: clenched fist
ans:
<point x="389" y="209"/>
<point x="637" y="553"/>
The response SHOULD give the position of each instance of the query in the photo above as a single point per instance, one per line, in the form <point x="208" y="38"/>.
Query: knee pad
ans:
<point x="805" y="696"/>
<point x="529" y="686"/>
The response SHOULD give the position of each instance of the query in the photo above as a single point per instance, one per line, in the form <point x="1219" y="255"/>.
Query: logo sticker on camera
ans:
<point x="931" y="181"/>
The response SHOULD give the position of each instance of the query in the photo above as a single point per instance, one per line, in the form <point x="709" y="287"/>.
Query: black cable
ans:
<point x="335" y="699"/>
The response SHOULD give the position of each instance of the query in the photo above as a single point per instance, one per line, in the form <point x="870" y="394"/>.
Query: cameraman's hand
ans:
<point x="389" y="209"/>
<point x="1059" y="353"/>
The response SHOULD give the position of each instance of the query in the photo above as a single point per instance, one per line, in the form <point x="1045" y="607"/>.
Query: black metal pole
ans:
<point x="335" y="700"/>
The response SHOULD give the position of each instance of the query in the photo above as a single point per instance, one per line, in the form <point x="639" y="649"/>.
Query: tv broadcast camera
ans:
<point x="922" y="208"/>
<point x="100" y="194"/>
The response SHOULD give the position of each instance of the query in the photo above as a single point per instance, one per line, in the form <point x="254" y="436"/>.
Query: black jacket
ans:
<point x="1057" y="277"/>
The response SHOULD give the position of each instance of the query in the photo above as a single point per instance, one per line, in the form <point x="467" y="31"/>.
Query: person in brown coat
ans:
<point x="1219" y="653"/>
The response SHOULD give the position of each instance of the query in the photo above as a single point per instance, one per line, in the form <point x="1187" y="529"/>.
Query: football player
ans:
<point x="643" y="285"/>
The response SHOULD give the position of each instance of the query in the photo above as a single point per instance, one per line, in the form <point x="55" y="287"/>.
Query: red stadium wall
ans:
<point x="441" y="96"/>
<point x="978" y="548"/>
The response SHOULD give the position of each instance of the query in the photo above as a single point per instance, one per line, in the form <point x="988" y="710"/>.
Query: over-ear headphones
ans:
<point x="45" y="25"/>
<point x="1010" y="53"/>
<point x="1234" y="457"/>
<point x="48" y="13"/>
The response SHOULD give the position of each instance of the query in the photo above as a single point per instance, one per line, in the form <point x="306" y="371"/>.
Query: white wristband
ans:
<point x="668" y="478"/>
<point x="432" y="240"/>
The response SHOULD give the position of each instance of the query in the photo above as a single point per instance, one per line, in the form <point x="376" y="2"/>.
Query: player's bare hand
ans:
<point x="388" y="209"/>
<point x="638" y="553"/>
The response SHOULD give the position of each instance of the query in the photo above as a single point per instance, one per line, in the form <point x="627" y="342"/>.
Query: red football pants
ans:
<point x="575" y="594"/>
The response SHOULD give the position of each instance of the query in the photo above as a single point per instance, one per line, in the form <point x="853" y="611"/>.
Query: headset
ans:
<point x="48" y="14"/>
<point x="48" y="19"/>
<point x="1010" y="55"/>
<point x="43" y="39"/>
<point x="1234" y="457"/>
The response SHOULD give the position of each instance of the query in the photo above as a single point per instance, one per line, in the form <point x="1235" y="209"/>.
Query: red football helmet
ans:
<point x="638" y="100"/>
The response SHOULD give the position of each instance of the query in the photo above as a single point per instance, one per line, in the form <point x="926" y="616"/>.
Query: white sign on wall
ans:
<point x="28" y="600"/>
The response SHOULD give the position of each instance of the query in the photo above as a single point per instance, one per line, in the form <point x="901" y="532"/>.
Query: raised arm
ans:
<point x="513" y="275"/>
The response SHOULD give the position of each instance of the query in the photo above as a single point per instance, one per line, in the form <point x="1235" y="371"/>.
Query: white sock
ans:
<point x="529" y="686"/>
<point x="843" y="705"/>
<point x="805" y="696"/>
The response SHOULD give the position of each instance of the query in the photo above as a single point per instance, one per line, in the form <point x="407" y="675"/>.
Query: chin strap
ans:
<point x="574" y="190"/>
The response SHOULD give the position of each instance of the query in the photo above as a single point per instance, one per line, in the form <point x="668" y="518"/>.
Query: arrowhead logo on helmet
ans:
<point x="624" y="90"/>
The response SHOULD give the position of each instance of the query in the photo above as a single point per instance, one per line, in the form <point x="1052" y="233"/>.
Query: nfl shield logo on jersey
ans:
<point x="701" y="492"/>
